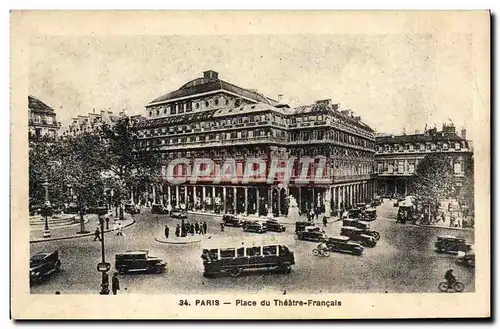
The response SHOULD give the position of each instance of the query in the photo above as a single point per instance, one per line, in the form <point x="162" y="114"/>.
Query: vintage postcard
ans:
<point x="250" y="165"/>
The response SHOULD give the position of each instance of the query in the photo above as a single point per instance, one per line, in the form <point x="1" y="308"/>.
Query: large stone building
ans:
<point x="42" y="120"/>
<point x="398" y="157"/>
<point x="210" y="118"/>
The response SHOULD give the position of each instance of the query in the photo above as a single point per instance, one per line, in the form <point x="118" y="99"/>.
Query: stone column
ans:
<point x="300" y="198"/>
<point x="279" y="202"/>
<point x="257" y="198"/>
<point x="213" y="198"/>
<point x="270" y="208"/>
<point x="177" y="188"/>
<point x="234" y="201"/>
<point x="154" y="194"/>
<point x="204" y="197"/>
<point x="406" y="187"/>
<point x="169" y="191"/>
<point x="224" y="199"/>
<point x="186" y="196"/>
<point x="246" y="201"/>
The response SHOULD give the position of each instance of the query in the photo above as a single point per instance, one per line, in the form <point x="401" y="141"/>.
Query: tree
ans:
<point x="81" y="168"/>
<point x="434" y="181"/>
<point x="128" y="165"/>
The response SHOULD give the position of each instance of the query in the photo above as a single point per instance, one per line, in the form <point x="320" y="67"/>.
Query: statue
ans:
<point x="293" y="209"/>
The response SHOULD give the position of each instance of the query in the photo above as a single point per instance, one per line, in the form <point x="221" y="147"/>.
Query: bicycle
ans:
<point x="456" y="286"/>
<point x="321" y="252"/>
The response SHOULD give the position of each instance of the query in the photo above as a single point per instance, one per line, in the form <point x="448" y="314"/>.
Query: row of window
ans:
<point x="188" y="106"/>
<point x="409" y="166"/>
<point x="421" y="147"/>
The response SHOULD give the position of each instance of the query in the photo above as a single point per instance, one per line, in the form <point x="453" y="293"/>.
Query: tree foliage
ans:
<point x="435" y="179"/>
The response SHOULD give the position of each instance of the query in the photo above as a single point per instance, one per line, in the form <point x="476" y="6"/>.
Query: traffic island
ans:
<point x="189" y="239"/>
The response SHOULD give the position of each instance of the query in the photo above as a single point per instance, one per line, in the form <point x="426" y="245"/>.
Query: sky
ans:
<point x="394" y="82"/>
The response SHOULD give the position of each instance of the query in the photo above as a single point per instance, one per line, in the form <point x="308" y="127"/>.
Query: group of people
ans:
<point x="185" y="228"/>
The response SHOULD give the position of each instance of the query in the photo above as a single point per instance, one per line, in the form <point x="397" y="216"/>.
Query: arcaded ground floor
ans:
<point x="274" y="200"/>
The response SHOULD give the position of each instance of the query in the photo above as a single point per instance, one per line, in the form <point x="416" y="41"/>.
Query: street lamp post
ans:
<point x="103" y="267"/>
<point x="46" y="210"/>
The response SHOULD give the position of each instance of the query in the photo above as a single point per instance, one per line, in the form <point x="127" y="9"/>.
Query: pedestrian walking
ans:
<point x="197" y="228"/>
<point x="177" y="230"/>
<point x="119" y="231"/>
<point x="191" y="229"/>
<point x="204" y="227"/>
<point x="324" y="221"/>
<point x="167" y="231"/>
<point x="97" y="234"/>
<point x="222" y="227"/>
<point x="115" y="283"/>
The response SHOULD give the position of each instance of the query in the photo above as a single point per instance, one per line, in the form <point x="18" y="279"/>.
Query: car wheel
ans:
<point x="58" y="265"/>
<point x="315" y="252"/>
<point x="159" y="270"/>
<point x="235" y="271"/>
<point x="376" y="235"/>
<point x="122" y="270"/>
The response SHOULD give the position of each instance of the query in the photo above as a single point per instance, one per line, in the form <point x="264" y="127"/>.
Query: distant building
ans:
<point x="42" y="120"/>
<point x="397" y="158"/>
<point x="92" y="121"/>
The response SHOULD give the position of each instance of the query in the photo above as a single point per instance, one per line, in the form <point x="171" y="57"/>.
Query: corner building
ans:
<point x="211" y="118"/>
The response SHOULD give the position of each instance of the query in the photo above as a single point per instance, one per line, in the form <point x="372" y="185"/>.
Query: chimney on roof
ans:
<point x="280" y="98"/>
<point x="404" y="130"/>
<point x="210" y="75"/>
<point x="463" y="133"/>
<point x="417" y="131"/>
<point x="93" y="111"/>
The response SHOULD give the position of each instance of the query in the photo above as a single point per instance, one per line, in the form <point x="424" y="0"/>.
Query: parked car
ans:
<point x="254" y="226"/>
<point x="356" y="234"/>
<point x="138" y="261"/>
<point x="275" y="226"/>
<point x="451" y="244"/>
<point x="354" y="213"/>
<point x="344" y="244"/>
<point x="179" y="214"/>
<point x="72" y="208"/>
<point x="364" y="226"/>
<point x="231" y="220"/>
<point x="159" y="209"/>
<point x="467" y="258"/>
<point x="43" y="265"/>
<point x="301" y="226"/>
<point x="312" y="234"/>
<point x="369" y="214"/>
<point x="132" y="208"/>
<point x="35" y="209"/>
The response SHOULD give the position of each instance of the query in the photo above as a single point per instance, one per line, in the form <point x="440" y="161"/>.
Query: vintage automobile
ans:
<point x="312" y="234"/>
<point x="138" y="261"/>
<point x="43" y="265"/>
<point x="451" y="244"/>
<point x="364" y="226"/>
<point x="377" y="201"/>
<point x="467" y="258"/>
<point x="179" y="214"/>
<point x="344" y="244"/>
<point x="159" y="209"/>
<point x="231" y="220"/>
<point x="235" y="257"/>
<point x="72" y="208"/>
<point x="254" y="226"/>
<point x="357" y="235"/>
<point x="354" y="213"/>
<point x="369" y="214"/>
<point x="275" y="226"/>
<point x="132" y="208"/>
<point x="35" y="209"/>
<point x="301" y="226"/>
<point x="361" y="205"/>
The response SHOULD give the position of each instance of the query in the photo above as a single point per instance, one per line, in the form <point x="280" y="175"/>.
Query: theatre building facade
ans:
<point x="209" y="118"/>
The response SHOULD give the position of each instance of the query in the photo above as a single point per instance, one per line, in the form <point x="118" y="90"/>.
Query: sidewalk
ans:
<point x="70" y="232"/>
